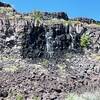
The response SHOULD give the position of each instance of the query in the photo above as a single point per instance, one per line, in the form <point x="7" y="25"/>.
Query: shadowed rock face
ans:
<point x="4" y="5"/>
<point x="48" y="40"/>
<point x="21" y="37"/>
<point x="58" y="15"/>
<point x="30" y="41"/>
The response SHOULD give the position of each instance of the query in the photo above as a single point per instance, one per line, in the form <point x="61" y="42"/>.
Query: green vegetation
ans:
<point x="73" y="97"/>
<point x="19" y="97"/>
<point x="60" y="21"/>
<point x="1" y="10"/>
<point x="7" y="12"/>
<point x="44" y="62"/>
<point x="37" y="16"/>
<point x="85" y="40"/>
<point x="35" y="98"/>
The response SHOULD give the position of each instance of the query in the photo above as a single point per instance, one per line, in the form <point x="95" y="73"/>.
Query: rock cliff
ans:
<point x="31" y="41"/>
<point x="69" y="48"/>
<point x="4" y="5"/>
<point x="22" y="37"/>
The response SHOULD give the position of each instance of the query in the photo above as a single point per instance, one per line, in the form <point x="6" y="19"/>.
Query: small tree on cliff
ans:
<point x="37" y="15"/>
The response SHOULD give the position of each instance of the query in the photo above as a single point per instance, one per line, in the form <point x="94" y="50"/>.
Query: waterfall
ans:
<point x="49" y="43"/>
<point x="73" y="36"/>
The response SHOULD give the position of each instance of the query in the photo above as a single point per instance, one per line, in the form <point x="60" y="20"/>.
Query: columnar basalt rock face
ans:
<point x="11" y="33"/>
<point x="36" y="41"/>
<point x="31" y="41"/>
<point x="21" y="36"/>
<point x="47" y="40"/>
<point x="59" y="75"/>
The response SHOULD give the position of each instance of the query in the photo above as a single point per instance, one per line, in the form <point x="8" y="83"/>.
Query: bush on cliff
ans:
<point x="85" y="40"/>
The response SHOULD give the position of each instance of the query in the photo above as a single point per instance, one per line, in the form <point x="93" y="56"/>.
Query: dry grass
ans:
<point x="85" y="96"/>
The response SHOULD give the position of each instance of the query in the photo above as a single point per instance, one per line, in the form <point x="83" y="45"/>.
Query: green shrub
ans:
<point x="1" y="11"/>
<point x="85" y="40"/>
<point x="73" y="97"/>
<point x="35" y="98"/>
<point x="19" y="97"/>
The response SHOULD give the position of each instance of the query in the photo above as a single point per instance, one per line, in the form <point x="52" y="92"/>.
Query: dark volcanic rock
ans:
<point x="49" y="79"/>
<point x="47" y="40"/>
<point x="85" y="20"/>
<point x="4" y="5"/>
<point x="37" y="41"/>
<point x="31" y="41"/>
<point x="3" y="93"/>
<point x="58" y="15"/>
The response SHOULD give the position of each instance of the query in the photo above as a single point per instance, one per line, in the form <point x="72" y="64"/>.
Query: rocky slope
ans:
<point x="47" y="61"/>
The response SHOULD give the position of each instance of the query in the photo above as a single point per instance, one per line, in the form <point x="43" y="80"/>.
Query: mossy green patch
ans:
<point x="36" y="98"/>
<point x="19" y="97"/>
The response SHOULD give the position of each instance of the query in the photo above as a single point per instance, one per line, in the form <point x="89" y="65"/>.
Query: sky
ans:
<point x="74" y="8"/>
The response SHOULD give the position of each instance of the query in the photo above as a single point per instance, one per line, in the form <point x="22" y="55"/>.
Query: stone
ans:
<point x="3" y="94"/>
